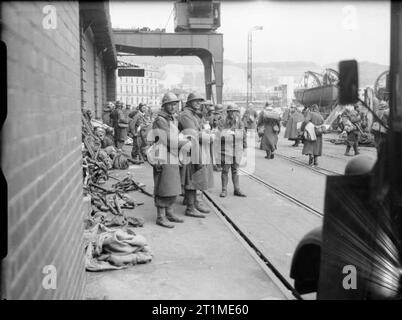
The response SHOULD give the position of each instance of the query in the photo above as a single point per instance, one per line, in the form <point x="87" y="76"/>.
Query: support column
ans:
<point x="207" y="62"/>
<point x="111" y="85"/>
<point x="218" y="69"/>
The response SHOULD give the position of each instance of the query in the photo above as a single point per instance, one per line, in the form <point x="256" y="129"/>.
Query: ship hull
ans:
<point x="322" y="96"/>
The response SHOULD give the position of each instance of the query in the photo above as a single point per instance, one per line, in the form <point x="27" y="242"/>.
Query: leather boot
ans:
<point x="347" y="151"/>
<point x="190" y="210"/>
<point x="310" y="160"/>
<point x="355" y="150"/>
<point x="225" y="180"/>
<point x="171" y="216"/>
<point x="161" y="218"/>
<point x="200" y="206"/>
<point x="315" y="161"/>
<point x="236" y="185"/>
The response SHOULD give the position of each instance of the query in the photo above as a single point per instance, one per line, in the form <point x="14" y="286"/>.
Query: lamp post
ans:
<point x="249" y="97"/>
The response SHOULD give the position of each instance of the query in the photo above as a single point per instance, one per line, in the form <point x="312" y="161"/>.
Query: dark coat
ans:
<point x="198" y="175"/>
<point x="313" y="147"/>
<point x="167" y="176"/>
<point x="291" y="126"/>
<point x="270" y="138"/>
<point x="106" y="117"/>
<point x="120" y="132"/>
<point x="113" y="117"/>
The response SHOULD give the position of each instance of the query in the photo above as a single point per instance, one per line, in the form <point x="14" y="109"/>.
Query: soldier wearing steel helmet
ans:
<point x="196" y="175"/>
<point x="208" y="109"/>
<point x="106" y="113"/>
<point x="120" y="124"/>
<point x="233" y="142"/>
<point x="167" y="184"/>
<point x="216" y="122"/>
<point x="250" y="118"/>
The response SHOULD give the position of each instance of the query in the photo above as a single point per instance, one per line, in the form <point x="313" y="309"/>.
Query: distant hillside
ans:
<point x="368" y="72"/>
<point x="188" y="72"/>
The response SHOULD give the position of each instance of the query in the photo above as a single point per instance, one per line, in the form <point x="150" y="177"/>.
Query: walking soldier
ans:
<point x="270" y="120"/>
<point x="233" y="141"/>
<point x="312" y="147"/>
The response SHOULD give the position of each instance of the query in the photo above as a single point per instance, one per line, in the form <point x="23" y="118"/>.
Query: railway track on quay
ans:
<point x="253" y="248"/>
<point x="242" y="234"/>
<point x="316" y="169"/>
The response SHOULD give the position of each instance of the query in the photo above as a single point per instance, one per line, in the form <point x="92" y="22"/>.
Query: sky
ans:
<point x="318" y="31"/>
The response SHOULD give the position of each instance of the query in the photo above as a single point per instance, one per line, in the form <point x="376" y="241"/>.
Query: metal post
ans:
<point x="249" y="96"/>
<point x="249" y="66"/>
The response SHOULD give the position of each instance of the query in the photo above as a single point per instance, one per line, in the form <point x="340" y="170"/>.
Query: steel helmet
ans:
<point x="232" y="107"/>
<point x="194" y="96"/>
<point x="168" y="98"/>
<point x="218" y="108"/>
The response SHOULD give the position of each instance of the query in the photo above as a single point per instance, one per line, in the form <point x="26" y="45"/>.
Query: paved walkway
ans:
<point x="198" y="259"/>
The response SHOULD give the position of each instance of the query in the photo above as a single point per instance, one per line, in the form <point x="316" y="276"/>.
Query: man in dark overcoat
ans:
<point x="313" y="148"/>
<point x="167" y="184"/>
<point x="120" y="123"/>
<point x="197" y="173"/>
<point x="291" y="132"/>
<point x="271" y="123"/>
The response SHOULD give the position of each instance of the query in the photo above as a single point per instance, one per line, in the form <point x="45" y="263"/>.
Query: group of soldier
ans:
<point x="215" y="138"/>
<point x="127" y="122"/>
<point x="353" y="122"/>
<point x="197" y="128"/>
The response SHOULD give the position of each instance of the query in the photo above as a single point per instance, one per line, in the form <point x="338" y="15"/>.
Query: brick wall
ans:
<point x="89" y="66"/>
<point x="41" y="152"/>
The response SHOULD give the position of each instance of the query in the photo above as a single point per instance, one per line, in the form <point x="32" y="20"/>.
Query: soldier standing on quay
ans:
<point x="195" y="175"/>
<point x="217" y="123"/>
<point x="120" y="124"/>
<point x="106" y="113"/>
<point x="138" y="131"/>
<point x="167" y="185"/>
<point x="233" y="141"/>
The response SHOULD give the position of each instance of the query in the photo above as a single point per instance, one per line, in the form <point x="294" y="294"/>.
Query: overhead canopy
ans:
<point x="96" y="15"/>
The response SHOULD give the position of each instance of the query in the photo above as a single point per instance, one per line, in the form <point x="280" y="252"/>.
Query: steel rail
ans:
<point x="249" y="242"/>
<point x="284" y="194"/>
<point x="319" y="170"/>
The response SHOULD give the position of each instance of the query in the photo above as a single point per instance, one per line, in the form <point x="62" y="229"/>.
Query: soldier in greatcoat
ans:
<point x="291" y="132"/>
<point x="197" y="174"/>
<point x="167" y="184"/>
<point x="272" y="127"/>
<point x="313" y="148"/>
<point x="120" y="124"/>
<point x="106" y="113"/>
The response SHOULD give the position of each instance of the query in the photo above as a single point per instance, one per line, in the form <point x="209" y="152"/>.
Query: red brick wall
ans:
<point x="41" y="152"/>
